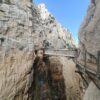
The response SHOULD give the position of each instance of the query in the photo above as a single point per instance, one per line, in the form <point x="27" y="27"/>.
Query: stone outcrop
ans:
<point x="24" y="28"/>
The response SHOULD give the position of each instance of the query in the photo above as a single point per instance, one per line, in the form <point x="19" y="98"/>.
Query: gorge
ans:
<point x="26" y="72"/>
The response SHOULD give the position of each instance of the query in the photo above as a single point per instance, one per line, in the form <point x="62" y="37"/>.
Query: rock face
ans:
<point x="89" y="37"/>
<point x="73" y="82"/>
<point x="18" y="34"/>
<point x="62" y="39"/>
<point x="23" y="28"/>
<point x="89" y="33"/>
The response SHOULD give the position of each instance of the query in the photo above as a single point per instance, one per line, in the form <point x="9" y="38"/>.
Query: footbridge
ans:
<point x="61" y="52"/>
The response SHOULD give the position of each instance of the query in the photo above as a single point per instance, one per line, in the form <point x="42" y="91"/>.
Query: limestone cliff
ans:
<point x="62" y="39"/>
<point x="18" y="29"/>
<point x="89" y="38"/>
<point x="23" y="28"/>
<point x="89" y="31"/>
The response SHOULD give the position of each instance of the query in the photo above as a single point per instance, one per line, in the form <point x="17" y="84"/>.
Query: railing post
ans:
<point x="98" y="64"/>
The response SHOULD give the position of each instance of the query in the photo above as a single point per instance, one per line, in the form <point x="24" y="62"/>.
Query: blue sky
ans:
<point x="70" y="13"/>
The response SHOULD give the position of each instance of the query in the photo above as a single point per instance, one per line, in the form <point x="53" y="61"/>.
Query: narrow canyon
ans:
<point x="39" y="59"/>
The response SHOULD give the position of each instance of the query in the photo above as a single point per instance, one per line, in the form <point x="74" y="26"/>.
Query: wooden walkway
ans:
<point x="92" y="74"/>
<point x="72" y="53"/>
<point x="84" y="67"/>
<point x="61" y="52"/>
<point x="91" y="69"/>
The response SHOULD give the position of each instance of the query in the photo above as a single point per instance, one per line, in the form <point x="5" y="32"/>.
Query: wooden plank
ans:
<point x="60" y="49"/>
<point x="61" y="52"/>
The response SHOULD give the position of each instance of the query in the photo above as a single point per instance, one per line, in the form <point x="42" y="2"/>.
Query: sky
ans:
<point x="70" y="13"/>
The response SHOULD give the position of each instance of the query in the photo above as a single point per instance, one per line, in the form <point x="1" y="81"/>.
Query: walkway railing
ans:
<point x="90" y="67"/>
<point x="92" y="70"/>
